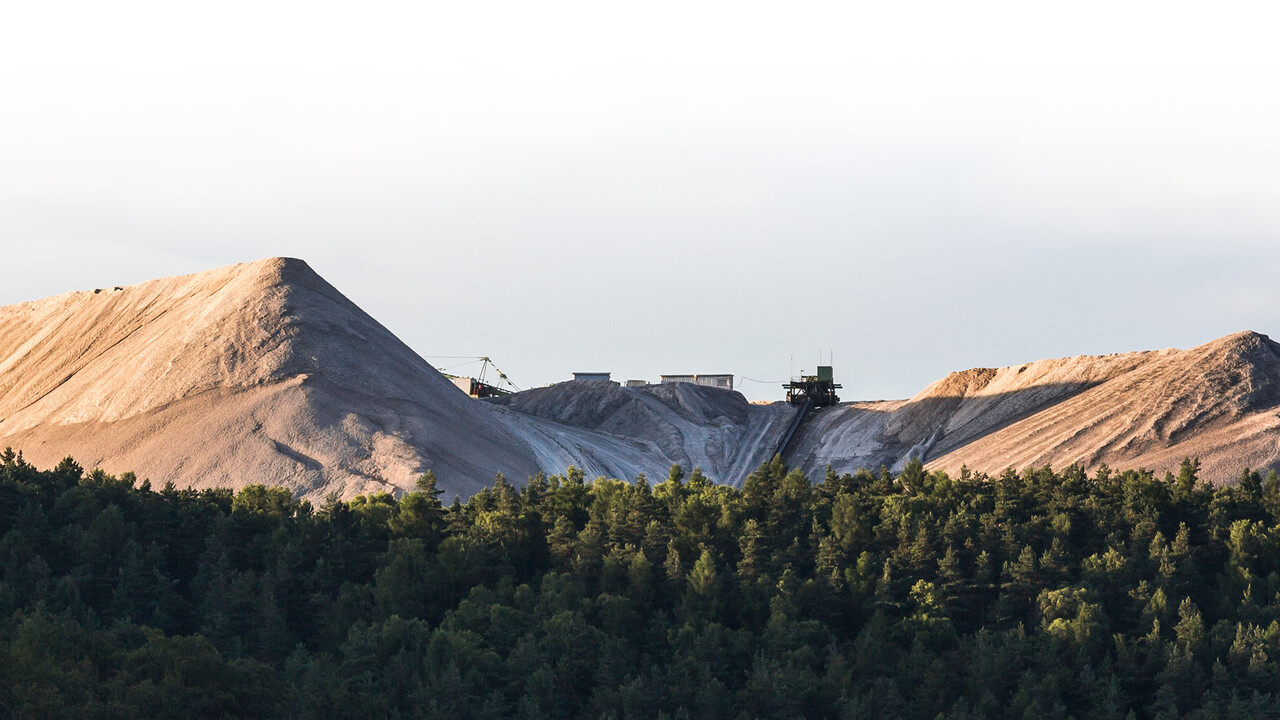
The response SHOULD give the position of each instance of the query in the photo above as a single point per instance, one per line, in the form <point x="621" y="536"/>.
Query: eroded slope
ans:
<point x="694" y="426"/>
<point x="260" y="372"/>
<point x="1216" y="401"/>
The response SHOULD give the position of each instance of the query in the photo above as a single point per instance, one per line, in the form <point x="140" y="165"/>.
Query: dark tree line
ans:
<point x="1026" y="595"/>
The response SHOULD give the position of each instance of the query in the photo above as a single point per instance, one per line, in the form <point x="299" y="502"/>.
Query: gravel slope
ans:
<point x="1218" y="402"/>
<point x="260" y="372"/>
<point x="716" y="430"/>
<point x="263" y="372"/>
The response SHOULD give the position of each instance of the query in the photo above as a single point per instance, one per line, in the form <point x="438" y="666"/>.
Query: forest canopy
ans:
<point x="1039" y="593"/>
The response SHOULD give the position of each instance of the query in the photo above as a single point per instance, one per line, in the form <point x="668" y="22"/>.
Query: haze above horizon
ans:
<point x="705" y="188"/>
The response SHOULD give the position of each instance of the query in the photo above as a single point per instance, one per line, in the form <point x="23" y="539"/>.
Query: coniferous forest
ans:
<point x="1031" y="594"/>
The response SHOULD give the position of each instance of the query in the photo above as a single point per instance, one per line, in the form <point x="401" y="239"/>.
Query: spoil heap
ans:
<point x="253" y="373"/>
<point x="264" y="373"/>
<point x="1218" y="402"/>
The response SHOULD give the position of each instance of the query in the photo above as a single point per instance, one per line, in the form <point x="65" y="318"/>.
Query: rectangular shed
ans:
<point x="722" y="381"/>
<point x="592" y="376"/>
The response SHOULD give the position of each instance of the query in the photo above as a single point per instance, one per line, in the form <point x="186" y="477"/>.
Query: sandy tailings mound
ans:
<point x="1217" y="401"/>
<point x="716" y="430"/>
<point x="260" y="372"/>
<point x="263" y="372"/>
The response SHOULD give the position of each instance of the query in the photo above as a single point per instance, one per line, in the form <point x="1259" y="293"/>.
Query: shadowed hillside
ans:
<point x="690" y="425"/>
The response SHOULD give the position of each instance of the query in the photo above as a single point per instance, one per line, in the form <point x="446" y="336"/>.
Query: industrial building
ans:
<point x="592" y="376"/>
<point x="724" y="382"/>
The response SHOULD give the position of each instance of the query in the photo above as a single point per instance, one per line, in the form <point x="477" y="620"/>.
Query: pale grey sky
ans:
<point x="669" y="187"/>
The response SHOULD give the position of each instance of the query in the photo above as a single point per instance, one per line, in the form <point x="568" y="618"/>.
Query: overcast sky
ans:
<point x="652" y="188"/>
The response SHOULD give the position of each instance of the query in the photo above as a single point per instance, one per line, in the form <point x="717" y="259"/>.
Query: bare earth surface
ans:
<point x="263" y="372"/>
<point x="694" y="426"/>
<point x="260" y="372"/>
<point x="1218" y="402"/>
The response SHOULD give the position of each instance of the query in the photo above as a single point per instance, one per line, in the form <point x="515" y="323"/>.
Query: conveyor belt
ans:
<point x="789" y="435"/>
